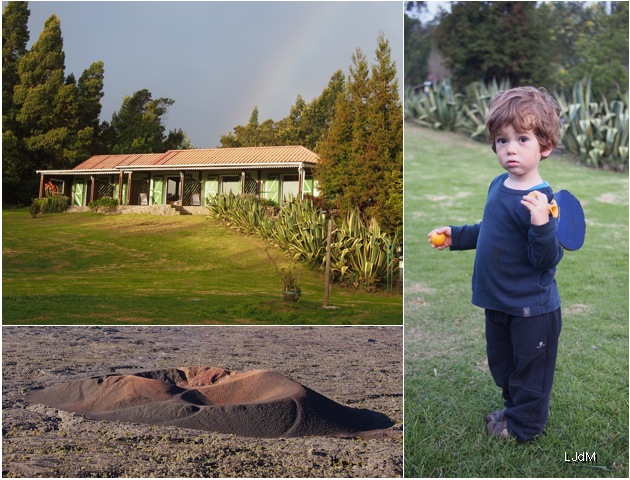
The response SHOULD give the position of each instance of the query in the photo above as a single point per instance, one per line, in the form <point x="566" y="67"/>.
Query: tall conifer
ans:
<point x="361" y="157"/>
<point x="15" y="36"/>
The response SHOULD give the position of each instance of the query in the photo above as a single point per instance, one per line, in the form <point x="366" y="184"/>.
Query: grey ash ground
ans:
<point x="360" y="367"/>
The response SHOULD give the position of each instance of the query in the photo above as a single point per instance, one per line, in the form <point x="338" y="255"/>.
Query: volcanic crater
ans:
<point x="255" y="403"/>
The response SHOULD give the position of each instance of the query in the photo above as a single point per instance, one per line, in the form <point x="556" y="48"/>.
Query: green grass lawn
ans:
<point x="88" y="268"/>
<point x="448" y="387"/>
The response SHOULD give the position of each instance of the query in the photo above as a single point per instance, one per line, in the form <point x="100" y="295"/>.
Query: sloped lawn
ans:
<point x="89" y="268"/>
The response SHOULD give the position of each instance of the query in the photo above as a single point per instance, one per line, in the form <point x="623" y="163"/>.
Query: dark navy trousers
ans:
<point x="522" y="355"/>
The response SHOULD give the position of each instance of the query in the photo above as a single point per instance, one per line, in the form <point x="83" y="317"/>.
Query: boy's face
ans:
<point x="519" y="152"/>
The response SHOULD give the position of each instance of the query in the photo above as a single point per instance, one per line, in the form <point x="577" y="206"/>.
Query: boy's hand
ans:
<point x="442" y="230"/>
<point x="538" y="207"/>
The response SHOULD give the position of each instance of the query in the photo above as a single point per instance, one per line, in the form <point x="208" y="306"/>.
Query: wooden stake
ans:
<point x="327" y="274"/>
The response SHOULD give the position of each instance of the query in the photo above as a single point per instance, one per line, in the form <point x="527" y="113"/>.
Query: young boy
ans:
<point x="515" y="262"/>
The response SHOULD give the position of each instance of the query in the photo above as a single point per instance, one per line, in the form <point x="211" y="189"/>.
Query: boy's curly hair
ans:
<point x="525" y="108"/>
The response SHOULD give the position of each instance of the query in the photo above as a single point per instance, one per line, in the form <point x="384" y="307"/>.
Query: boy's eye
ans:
<point x="523" y="139"/>
<point x="501" y="141"/>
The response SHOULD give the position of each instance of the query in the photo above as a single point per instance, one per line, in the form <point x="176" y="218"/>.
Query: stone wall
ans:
<point x="162" y="210"/>
<point x="197" y="210"/>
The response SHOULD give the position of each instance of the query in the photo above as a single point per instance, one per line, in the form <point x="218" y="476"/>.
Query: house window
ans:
<point x="60" y="184"/>
<point x="231" y="183"/>
<point x="290" y="186"/>
<point x="172" y="189"/>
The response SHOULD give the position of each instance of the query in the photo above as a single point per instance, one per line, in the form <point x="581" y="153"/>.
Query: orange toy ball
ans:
<point x="438" y="239"/>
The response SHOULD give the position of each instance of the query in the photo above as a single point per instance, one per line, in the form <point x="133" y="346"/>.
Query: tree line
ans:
<point x="550" y="44"/>
<point x="52" y="121"/>
<point x="356" y="127"/>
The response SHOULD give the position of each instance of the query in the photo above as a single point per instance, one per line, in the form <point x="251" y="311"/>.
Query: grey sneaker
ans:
<point x="498" y="416"/>
<point x="498" y="429"/>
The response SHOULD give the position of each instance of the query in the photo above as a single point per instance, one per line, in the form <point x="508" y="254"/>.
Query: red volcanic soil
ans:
<point x="359" y="371"/>
<point x="257" y="403"/>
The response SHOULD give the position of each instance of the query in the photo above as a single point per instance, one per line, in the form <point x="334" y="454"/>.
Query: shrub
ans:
<point x="36" y="207"/>
<point x="242" y="212"/>
<point x="301" y="230"/>
<point x="104" y="204"/>
<point x="50" y="204"/>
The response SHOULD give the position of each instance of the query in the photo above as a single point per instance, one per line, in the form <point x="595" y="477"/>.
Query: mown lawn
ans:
<point x="89" y="268"/>
<point x="448" y="388"/>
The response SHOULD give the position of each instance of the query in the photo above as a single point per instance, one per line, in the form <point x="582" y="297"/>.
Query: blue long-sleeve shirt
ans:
<point x="515" y="262"/>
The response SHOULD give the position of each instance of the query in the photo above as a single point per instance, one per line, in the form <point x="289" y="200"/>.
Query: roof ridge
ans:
<point x="268" y="154"/>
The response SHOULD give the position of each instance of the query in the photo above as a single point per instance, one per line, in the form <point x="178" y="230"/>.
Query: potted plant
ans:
<point x="291" y="291"/>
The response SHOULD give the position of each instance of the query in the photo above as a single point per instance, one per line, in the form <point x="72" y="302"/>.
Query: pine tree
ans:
<point x="49" y="106"/>
<point x="361" y="157"/>
<point x="385" y="143"/>
<point x="45" y="106"/>
<point x="321" y="111"/>
<point x="335" y="152"/>
<point x="14" y="39"/>
<point x="291" y="130"/>
<point x="90" y="92"/>
<point x="342" y="151"/>
<point x="15" y="36"/>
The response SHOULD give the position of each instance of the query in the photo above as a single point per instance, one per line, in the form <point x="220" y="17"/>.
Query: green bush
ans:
<point x="49" y="204"/>
<point x="36" y="207"/>
<point x="105" y="204"/>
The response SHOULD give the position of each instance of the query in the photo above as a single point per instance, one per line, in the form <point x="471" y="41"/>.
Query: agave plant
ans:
<point x="479" y="96"/>
<point x="361" y="255"/>
<point x="439" y="107"/>
<point x="596" y="132"/>
<point x="301" y="230"/>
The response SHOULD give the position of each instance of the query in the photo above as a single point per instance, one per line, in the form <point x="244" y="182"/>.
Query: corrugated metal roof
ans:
<point x="110" y="162"/>
<point x="200" y="157"/>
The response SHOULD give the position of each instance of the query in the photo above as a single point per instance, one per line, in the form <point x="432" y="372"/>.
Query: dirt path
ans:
<point x="360" y="367"/>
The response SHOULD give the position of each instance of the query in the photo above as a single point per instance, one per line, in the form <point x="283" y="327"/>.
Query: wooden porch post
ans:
<point x="258" y="183"/>
<point x="301" y="181"/>
<point x="41" y="185"/>
<point x="92" y="189"/>
<point x="120" y="186"/>
<point x="128" y="201"/>
<point x="181" y="188"/>
<point x="242" y="182"/>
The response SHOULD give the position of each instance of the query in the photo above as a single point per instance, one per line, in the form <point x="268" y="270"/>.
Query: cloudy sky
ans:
<point x="218" y="60"/>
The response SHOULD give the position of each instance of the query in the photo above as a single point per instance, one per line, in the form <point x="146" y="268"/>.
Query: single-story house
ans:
<point x="188" y="177"/>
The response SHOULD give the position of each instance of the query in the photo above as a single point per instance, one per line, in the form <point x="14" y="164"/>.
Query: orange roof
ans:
<point x="241" y="156"/>
<point x="110" y="162"/>
<point x="204" y="157"/>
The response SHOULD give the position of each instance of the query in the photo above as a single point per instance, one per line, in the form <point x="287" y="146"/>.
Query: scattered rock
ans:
<point x="43" y="441"/>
